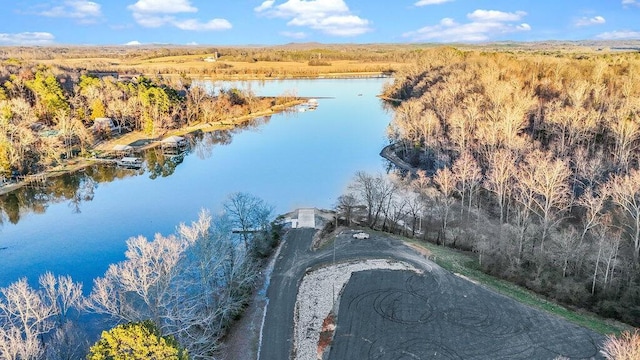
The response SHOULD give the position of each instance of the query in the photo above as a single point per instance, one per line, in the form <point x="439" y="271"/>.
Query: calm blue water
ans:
<point x="303" y="159"/>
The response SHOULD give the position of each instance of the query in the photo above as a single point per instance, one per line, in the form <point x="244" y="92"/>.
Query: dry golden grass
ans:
<point x="195" y="66"/>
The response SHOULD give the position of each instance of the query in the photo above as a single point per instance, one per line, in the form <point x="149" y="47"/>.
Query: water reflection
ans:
<point x="79" y="187"/>
<point x="75" y="188"/>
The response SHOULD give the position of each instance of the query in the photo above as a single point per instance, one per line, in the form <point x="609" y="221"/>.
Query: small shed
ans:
<point x="173" y="144"/>
<point x="174" y="141"/>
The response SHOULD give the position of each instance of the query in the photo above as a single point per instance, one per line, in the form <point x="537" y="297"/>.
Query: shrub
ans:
<point x="133" y="341"/>
<point x="625" y="347"/>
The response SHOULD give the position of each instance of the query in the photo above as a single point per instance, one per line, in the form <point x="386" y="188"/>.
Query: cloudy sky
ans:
<point x="243" y="22"/>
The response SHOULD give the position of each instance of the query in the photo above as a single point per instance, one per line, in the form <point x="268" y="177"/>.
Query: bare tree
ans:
<point x="608" y="242"/>
<point x="249" y="214"/>
<point x="468" y="177"/>
<point x="62" y="293"/>
<point x="25" y="316"/>
<point x="346" y="206"/>
<point x="547" y="183"/>
<point x="415" y="210"/>
<point x="626" y="133"/>
<point x="190" y="285"/>
<point x="395" y="212"/>
<point x="67" y="342"/>
<point x="593" y="206"/>
<point x="375" y="192"/>
<point x="139" y="288"/>
<point x="500" y="178"/>
<point x="566" y="248"/>
<point x="625" y="192"/>
<point x="445" y="181"/>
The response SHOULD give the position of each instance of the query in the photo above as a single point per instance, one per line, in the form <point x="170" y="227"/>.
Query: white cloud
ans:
<point x="294" y="35"/>
<point x="83" y="10"/>
<point x="193" y="43"/>
<point x="157" y="13"/>
<point x="495" y="15"/>
<point x="163" y="7"/>
<point x="483" y="26"/>
<point x="619" y="35"/>
<point x="133" y="43"/>
<point x="27" y="38"/>
<point x="331" y="17"/>
<point x="630" y="2"/>
<point x="264" y="6"/>
<point x="196" y="25"/>
<point x="596" y="20"/>
<point x="430" y="2"/>
<point x="152" y="21"/>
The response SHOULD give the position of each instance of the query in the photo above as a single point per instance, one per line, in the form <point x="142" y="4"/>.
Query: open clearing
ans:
<point x="388" y="314"/>
<point x="392" y="314"/>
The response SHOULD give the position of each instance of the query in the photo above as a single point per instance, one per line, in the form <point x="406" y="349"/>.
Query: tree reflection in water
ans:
<point x="79" y="187"/>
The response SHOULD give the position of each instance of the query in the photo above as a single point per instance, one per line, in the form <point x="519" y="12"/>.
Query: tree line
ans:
<point x="188" y="287"/>
<point x="529" y="161"/>
<point x="47" y="113"/>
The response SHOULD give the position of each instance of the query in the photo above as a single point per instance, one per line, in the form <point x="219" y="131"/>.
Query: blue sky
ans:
<point x="243" y="22"/>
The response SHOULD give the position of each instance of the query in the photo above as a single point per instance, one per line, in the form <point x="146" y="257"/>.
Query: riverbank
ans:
<point x="77" y="164"/>
<point x="390" y="152"/>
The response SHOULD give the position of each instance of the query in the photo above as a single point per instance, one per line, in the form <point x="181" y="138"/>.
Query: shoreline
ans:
<point x="79" y="163"/>
<point x="389" y="152"/>
<point x="347" y="76"/>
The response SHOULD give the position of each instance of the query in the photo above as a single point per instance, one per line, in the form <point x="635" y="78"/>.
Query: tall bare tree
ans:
<point x="547" y="180"/>
<point x="25" y="316"/>
<point x="500" y="178"/>
<point x="250" y="215"/>
<point x="446" y="182"/>
<point x="625" y="192"/>
<point x="468" y="177"/>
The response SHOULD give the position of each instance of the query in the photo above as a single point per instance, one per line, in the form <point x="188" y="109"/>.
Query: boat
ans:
<point x="130" y="162"/>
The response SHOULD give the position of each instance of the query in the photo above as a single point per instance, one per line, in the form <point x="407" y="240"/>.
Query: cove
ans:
<point x="291" y="160"/>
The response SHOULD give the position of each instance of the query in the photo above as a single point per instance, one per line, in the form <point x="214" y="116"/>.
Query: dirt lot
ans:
<point x="386" y="314"/>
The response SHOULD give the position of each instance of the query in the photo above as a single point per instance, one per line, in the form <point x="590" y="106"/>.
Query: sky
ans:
<point x="273" y="22"/>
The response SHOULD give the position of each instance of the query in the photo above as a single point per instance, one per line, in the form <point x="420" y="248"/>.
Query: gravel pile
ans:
<point x="317" y="295"/>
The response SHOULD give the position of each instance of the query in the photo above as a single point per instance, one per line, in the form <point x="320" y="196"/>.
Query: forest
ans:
<point x="529" y="161"/>
<point x="47" y="113"/>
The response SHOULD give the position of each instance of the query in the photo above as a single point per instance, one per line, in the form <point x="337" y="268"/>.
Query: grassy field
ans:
<point x="467" y="266"/>
<point x="195" y="66"/>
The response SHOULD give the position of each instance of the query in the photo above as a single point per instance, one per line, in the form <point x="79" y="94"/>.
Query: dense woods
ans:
<point x="530" y="161"/>
<point x="47" y="114"/>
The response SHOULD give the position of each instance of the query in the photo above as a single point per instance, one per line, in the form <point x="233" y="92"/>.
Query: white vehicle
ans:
<point x="361" y="235"/>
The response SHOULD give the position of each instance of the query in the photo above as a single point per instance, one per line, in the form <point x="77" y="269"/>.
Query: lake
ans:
<point x="291" y="160"/>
